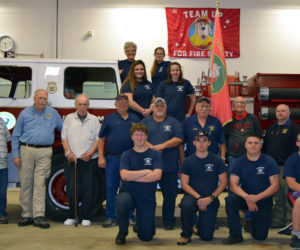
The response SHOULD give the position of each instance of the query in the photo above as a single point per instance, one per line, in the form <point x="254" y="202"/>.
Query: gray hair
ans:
<point x="129" y="44"/>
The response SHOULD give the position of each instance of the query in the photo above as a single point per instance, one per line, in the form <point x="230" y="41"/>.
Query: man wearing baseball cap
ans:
<point x="164" y="136"/>
<point x="115" y="130"/>
<point x="200" y="174"/>
<point x="202" y="120"/>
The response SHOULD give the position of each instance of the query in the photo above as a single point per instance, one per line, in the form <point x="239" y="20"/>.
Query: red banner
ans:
<point x="190" y="31"/>
<point x="220" y="98"/>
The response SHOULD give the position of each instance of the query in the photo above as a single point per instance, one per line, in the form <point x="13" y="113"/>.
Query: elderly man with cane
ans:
<point x="80" y="137"/>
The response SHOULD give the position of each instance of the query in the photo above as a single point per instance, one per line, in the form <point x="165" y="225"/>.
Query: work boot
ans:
<point x="183" y="241"/>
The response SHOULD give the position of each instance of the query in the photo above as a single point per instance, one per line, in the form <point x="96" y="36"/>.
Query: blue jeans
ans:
<point x="112" y="182"/>
<point x="3" y="190"/>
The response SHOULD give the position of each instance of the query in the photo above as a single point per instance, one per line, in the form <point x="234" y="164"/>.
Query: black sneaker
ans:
<point x="41" y="222"/>
<point x="26" y="221"/>
<point x="121" y="238"/>
<point x="247" y="226"/>
<point x="233" y="240"/>
<point x="287" y="230"/>
<point x="295" y="242"/>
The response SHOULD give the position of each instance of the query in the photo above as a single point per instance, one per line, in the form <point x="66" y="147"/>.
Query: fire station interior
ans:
<point x="266" y="74"/>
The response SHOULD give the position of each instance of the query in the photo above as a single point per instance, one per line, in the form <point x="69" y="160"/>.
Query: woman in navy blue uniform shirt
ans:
<point x="124" y="65"/>
<point x="175" y="90"/>
<point x="138" y="89"/>
<point x="159" y="68"/>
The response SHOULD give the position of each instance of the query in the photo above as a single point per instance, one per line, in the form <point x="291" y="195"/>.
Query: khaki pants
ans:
<point x="35" y="169"/>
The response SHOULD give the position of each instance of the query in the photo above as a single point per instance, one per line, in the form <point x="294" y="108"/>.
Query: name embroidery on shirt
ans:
<point x="148" y="161"/>
<point x="260" y="170"/>
<point x="167" y="128"/>
<point x="179" y="88"/>
<point x="209" y="167"/>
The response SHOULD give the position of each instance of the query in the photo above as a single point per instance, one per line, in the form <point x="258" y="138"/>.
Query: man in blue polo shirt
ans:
<point x="254" y="179"/>
<point x="164" y="135"/>
<point x="200" y="174"/>
<point x="203" y="121"/>
<point x="292" y="176"/>
<point x="115" y="130"/>
<point x="140" y="169"/>
<point x="32" y="141"/>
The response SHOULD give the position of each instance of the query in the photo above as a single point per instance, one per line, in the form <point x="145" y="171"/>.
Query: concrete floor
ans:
<point x="97" y="237"/>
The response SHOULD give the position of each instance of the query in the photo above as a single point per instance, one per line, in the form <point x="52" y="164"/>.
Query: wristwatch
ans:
<point x="67" y="153"/>
<point x="213" y="197"/>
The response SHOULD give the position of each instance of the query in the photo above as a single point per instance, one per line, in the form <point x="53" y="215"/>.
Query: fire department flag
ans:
<point x="220" y="98"/>
<point x="190" y="31"/>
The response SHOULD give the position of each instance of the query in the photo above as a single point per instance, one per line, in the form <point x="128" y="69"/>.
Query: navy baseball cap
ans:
<point x="121" y="96"/>
<point x="200" y="99"/>
<point x="201" y="133"/>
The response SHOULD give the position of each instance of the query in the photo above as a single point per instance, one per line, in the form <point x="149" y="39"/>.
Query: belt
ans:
<point x="35" y="146"/>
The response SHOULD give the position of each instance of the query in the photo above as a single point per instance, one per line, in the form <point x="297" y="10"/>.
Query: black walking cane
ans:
<point x="75" y="187"/>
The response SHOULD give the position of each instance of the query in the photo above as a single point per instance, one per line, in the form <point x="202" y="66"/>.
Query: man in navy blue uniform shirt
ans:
<point x="200" y="174"/>
<point x="115" y="130"/>
<point x="140" y="169"/>
<point x="292" y="176"/>
<point x="203" y="121"/>
<point x="254" y="179"/>
<point x="164" y="136"/>
<point x="280" y="143"/>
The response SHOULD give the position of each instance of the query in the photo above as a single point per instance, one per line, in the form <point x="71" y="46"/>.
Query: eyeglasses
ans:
<point x="123" y="102"/>
<point x="160" y="54"/>
<point x="240" y="103"/>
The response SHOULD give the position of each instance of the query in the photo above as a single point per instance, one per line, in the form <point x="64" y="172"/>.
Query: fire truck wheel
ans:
<point x="57" y="204"/>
